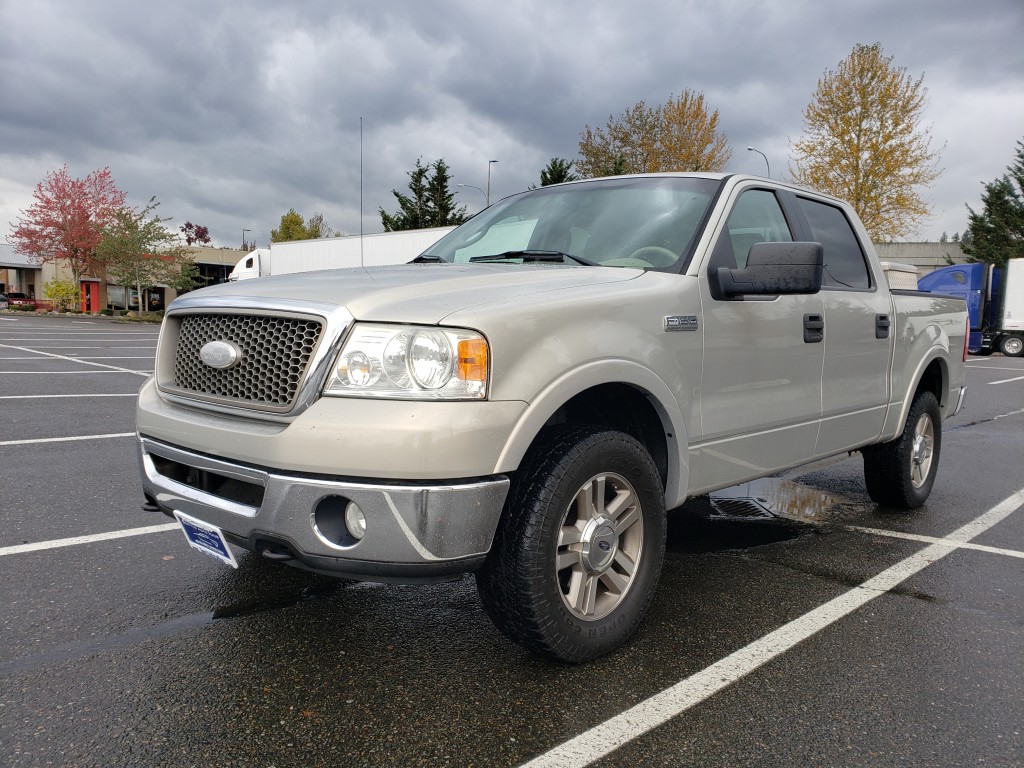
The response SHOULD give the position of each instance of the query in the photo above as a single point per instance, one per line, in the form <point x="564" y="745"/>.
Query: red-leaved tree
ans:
<point x="195" y="233"/>
<point x="65" y="223"/>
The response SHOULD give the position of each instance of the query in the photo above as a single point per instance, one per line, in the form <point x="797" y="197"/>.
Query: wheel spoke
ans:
<point x="567" y="559"/>
<point x="627" y="521"/>
<point x="590" y="599"/>
<point x="625" y="563"/>
<point x="569" y="534"/>
<point x="615" y="581"/>
<point x="582" y="595"/>
<point x="624" y="500"/>
<point x="590" y="499"/>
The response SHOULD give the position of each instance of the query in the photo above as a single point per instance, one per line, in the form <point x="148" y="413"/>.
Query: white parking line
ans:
<point x="61" y="397"/>
<point x="73" y="373"/>
<point x="603" y="739"/>
<point x="18" y="549"/>
<point x="37" y="440"/>
<point x="75" y="360"/>
<point x="1004" y="381"/>
<point x="933" y="540"/>
<point x="89" y="357"/>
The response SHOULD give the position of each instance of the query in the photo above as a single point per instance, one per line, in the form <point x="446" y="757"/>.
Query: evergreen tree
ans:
<point x="430" y="204"/>
<point x="558" y="171"/>
<point x="997" y="233"/>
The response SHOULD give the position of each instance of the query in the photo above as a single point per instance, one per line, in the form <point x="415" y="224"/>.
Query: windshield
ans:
<point x="647" y="222"/>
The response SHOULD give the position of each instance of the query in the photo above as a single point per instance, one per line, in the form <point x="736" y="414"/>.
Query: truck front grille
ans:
<point x="275" y="353"/>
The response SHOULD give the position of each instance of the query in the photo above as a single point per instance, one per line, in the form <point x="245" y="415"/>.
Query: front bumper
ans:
<point x="414" y="532"/>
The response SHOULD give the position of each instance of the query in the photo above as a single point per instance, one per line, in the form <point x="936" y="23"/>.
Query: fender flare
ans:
<point x="597" y="373"/>
<point x="894" y="426"/>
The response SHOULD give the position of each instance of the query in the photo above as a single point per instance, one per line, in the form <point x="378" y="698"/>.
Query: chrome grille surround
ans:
<point x="285" y="348"/>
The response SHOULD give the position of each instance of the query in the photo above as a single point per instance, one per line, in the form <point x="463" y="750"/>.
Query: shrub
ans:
<point x="63" y="293"/>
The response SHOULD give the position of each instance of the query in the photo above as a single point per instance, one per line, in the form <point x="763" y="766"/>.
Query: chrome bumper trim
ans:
<point x="405" y="524"/>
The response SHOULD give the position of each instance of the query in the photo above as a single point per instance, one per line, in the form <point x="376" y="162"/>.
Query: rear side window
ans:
<point x="845" y="266"/>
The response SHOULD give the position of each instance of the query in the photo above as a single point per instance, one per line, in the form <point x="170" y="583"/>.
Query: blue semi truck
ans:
<point x="995" y="303"/>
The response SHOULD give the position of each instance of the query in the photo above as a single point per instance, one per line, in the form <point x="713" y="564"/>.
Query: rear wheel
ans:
<point x="579" y="550"/>
<point x="1012" y="346"/>
<point x="901" y="473"/>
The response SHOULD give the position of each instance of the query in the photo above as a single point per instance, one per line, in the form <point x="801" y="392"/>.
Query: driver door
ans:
<point x="761" y="381"/>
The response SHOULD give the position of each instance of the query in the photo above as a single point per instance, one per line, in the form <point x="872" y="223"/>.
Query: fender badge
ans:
<point x="220" y="354"/>
<point x="681" y="323"/>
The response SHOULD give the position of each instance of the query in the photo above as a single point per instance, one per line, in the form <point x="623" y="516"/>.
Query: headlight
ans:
<point x="412" y="363"/>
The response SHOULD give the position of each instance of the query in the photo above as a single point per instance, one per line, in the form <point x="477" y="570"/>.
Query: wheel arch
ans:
<point x="932" y="376"/>
<point x="618" y="395"/>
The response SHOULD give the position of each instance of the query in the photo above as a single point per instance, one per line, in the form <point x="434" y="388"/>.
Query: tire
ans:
<point x="1012" y="346"/>
<point x="579" y="549"/>
<point x="900" y="474"/>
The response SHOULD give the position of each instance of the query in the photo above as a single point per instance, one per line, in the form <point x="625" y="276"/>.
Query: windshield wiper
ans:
<point x="535" y="255"/>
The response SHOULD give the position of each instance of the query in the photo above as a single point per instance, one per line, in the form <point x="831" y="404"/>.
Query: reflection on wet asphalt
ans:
<point x="753" y="514"/>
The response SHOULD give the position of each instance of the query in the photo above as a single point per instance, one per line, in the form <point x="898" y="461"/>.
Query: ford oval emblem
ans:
<point x="220" y="354"/>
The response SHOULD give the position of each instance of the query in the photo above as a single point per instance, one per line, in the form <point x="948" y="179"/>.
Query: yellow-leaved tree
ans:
<point x="680" y="135"/>
<point x="863" y="142"/>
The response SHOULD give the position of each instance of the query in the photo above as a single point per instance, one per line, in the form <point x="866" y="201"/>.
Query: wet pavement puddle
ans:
<point x="761" y="512"/>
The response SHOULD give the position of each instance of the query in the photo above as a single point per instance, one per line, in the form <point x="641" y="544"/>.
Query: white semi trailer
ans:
<point x="375" y="250"/>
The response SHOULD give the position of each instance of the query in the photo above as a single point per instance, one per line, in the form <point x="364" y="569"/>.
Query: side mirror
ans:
<point x="773" y="269"/>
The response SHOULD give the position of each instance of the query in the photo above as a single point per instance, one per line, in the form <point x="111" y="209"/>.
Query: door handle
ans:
<point x="814" y="328"/>
<point x="882" y="325"/>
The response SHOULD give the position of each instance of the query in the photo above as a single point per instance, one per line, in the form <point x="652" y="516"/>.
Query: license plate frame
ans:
<point x="207" y="538"/>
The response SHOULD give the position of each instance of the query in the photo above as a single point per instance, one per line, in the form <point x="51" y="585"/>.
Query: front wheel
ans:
<point x="579" y="550"/>
<point x="1012" y="346"/>
<point x="901" y="473"/>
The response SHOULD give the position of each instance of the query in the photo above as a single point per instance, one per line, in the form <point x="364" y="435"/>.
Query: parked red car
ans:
<point x="15" y="299"/>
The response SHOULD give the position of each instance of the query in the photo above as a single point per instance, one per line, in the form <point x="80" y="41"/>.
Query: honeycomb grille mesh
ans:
<point x="275" y="353"/>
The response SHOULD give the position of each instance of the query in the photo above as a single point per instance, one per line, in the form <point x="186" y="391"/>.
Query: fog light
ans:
<point x="355" y="521"/>
<point x="338" y="521"/>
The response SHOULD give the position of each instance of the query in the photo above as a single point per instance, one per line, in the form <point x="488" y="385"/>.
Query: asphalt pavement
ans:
<point x="795" y="624"/>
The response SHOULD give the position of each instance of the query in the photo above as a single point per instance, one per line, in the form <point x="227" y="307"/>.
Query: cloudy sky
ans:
<point x="232" y="112"/>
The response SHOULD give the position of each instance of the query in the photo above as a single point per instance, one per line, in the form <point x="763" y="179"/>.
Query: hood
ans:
<point x="418" y="293"/>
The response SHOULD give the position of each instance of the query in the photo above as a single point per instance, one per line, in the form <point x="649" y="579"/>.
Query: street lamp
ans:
<point x="243" y="237"/>
<point x="488" y="195"/>
<point x="473" y="186"/>
<point x="762" y="154"/>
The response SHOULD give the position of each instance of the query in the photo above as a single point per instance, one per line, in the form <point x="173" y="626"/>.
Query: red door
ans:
<point x="90" y="297"/>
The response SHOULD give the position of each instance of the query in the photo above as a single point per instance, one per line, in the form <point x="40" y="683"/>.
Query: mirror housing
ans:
<point x="773" y="269"/>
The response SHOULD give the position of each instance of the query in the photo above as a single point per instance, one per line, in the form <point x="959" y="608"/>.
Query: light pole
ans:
<point x="473" y="186"/>
<point x="488" y="195"/>
<point x="243" y="237"/>
<point x="762" y="154"/>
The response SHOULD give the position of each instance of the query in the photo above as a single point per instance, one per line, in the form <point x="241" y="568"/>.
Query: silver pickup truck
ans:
<point x="526" y="399"/>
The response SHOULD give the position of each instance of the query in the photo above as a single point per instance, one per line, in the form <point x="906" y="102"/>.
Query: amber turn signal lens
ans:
<point x="473" y="360"/>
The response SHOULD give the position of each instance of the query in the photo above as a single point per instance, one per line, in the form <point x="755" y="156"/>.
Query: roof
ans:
<point x="11" y="260"/>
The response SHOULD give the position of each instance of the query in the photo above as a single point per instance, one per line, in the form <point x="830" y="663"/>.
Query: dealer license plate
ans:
<point x="207" y="538"/>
